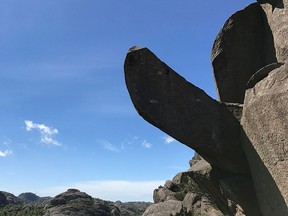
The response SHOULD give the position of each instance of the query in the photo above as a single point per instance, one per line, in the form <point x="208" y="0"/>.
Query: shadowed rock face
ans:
<point x="243" y="46"/>
<point x="249" y="59"/>
<point x="159" y="94"/>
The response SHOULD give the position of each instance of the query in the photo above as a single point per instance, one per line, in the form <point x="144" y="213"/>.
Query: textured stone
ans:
<point x="243" y="46"/>
<point x="171" y="185"/>
<point x="162" y="194"/>
<point x="249" y="58"/>
<point x="168" y="208"/>
<point x="235" y="109"/>
<point x="189" y="201"/>
<point x="185" y="112"/>
<point x="201" y="189"/>
<point x="261" y="74"/>
<point x="276" y="12"/>
<point x="265" y="138"/>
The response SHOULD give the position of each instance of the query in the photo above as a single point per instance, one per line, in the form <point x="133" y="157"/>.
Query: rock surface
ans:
<point x="276" y="13"/>
<point x="204" y="124"/>
<point x="243" y="46"/>
<point x="249" y="59"/>
<point x="183" y="196"/>
<point x="72" y="202"/>
<point x="265" y="125"/>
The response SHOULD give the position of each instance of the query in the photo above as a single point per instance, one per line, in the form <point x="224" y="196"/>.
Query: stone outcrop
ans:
<point x="160" y="94"/>
<point x="265" y="134"/>
<point x="182" y="195"/>
<point x="72" y="202"/>
<point x="243" y="137"/>
<point x="199" y="191"/>
<point x="276" y="14"/>
<point x="243" y="46"/>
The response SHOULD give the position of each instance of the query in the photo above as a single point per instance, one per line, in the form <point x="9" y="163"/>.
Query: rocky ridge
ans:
<point x="183" y="196"/>
<point x="72" y="202"/>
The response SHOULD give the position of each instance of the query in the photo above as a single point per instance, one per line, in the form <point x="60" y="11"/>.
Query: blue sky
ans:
<point x="66" y="116"/>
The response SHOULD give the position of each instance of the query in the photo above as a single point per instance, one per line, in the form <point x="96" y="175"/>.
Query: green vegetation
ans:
<point x="21" y="210"/>
<point x="72" y="202"/>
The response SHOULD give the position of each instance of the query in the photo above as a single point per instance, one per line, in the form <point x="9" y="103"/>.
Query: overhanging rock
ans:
<point x="182" y="110"/>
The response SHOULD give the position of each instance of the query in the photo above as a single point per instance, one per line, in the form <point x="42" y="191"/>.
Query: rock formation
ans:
<point x="29" y="197"/>
<point x="72" y="202"/>
<point x="183" y="196"/>
<point x="244" y="135"/>
<point x="8" y="198"/>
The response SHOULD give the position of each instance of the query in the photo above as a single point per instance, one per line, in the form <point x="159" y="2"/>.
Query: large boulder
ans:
<point x="265" y="138"/>
<point x="243" y="46"/>
<point x="205" y="191"/>
<point x="185" y="112"/>
<point x="249" y="59"/>
<point x="276" y="14"/>
<point x="168" y="208"/>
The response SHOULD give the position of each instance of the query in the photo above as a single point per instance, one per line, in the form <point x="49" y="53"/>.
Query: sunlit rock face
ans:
<point x="244" y="136"/>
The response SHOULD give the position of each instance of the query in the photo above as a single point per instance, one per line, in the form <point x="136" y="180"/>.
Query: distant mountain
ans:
<point x="29" y="197"/>
<point x="72" y="202"/>
<point x="8" y="198"/>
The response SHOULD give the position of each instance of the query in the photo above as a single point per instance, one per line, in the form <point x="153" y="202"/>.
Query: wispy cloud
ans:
<point x="146" y="144"/>
<point x="47" y="133"/>
<point x="5" y="153"/>
<point x="109" y="146"/>
<point x="111" y="189"/>
<point x="126" y="144"/>
<point x="7" y="143"/>
<point x="168" y="139"/>
<point x="136" y="141"/>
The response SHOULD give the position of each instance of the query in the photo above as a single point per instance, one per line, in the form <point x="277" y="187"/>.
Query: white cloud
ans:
<point x="47" y="133"/>
<point x="129" y="141"/>
<point x="146" y="144"/>
<point x="5" y="153"/>
<point x="7" y="143"/>
<point x="109" y="146"/>
<point x="168" y="139"/>
<point x="111" y="189"/>
<point x="124" y="145"/>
